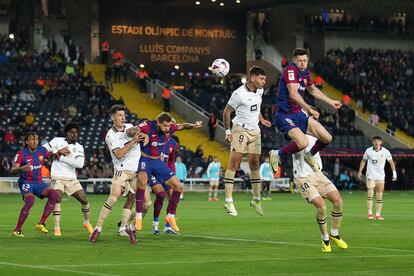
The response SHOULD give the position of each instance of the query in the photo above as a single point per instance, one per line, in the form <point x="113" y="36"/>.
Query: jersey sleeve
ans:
<point x="290" y="75"/>
<point x="18" y="158"/>
<point x="45" y="152"/>
<point x="234" y="100"/>
<point x="173" y="127"/>
<point x="365" y="157"/>
<point x="388" y="155"/>
<point x="144" y="127"/>
<point x="112" y="142"/>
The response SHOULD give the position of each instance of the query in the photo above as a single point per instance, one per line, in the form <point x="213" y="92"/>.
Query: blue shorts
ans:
<point x="35" y="188"/>
<point x="155" y="167"/>
<point x="154" y="181"/>
<point x="285" y="122"/>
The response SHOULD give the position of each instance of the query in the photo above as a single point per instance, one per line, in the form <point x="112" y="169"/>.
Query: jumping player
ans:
<point x="28" y="163"/>
<point x="294" y="117"/>
<point x="314" y="187"/>
<point x="245" y="136"/>
<point x="64" y="179"/>
<point x="158" y="131"/>
<point x="375" y="176"/>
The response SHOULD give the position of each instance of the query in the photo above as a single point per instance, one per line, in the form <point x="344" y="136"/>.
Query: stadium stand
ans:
<point x="379" y="81"/>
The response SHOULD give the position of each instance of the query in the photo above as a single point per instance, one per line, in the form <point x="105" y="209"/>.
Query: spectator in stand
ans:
<point x="284" y="62"/>
<point x="104" y="52"/>
<point x="181" y="172"/>
<point x="405" y="181"/>
<point x="29" y="119"/>
<point x="166" y="95"/>
<point x="117" y="66"/>
<point x="346" y="99"/>
<point x="5" y="167"/>
<point x="108" y="78"/>
<point x="81" y="63"/>
<point x="374" y="119"/>
<point x="390" y="128"/>
<point x="142" y="74"/>
<point x="117" y="55"/>
<point x="52" y="45"/>
<point x="212" y="125"/>
<point x="72" y="51"/>
<point x="319" y="82"/>
<point x="70" y="70"/>
<point x="125" y="71"/>
<point x="199" y="151"/>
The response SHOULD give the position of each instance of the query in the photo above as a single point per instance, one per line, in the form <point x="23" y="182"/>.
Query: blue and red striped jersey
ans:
<point x="157" y="140"/>
<point x="35" y="159"/>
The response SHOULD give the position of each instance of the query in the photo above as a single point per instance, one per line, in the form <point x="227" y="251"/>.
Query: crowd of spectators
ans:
<point x="381" y="82"/>
<point x="355" y="23"/>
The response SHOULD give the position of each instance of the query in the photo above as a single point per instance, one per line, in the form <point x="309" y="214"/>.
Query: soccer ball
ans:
<point x="220" y="67"/>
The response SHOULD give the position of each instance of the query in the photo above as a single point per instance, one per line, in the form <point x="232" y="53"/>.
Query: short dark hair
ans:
<point x="300" y="52"/>
<point x="28" y="134"/>
<point x="71" y="125"/>
<point x="117" y="107"/>
<point x="256" y="70"/>
<point x="377" y="137"/>
<point x="164" y="117"/>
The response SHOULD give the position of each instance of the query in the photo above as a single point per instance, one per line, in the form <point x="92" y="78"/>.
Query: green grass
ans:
<point x="285" y="241"/>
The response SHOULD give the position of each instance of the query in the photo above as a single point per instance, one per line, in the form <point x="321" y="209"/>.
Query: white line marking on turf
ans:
<point x="235" y="260"/>
<point x="55" y="269"/>
<point x="291" y="243"/>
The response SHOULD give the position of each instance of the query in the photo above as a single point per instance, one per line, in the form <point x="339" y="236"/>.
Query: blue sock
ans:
<point x="167" y="225"/>
<point x="155" y="219"/>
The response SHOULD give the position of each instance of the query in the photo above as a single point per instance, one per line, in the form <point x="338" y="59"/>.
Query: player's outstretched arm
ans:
<point x="186" y="126"/>
<point x="120" y="153"/>
<point x="76" y="162"/>
<point x="318" y="94"/>
<point x="361" y="167"/>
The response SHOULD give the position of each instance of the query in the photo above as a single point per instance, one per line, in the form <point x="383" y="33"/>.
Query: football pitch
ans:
<point x="285" y="240"/>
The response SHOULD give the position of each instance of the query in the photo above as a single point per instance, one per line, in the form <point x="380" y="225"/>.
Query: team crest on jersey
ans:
<point x="40" y="158"/>
<point x="290" y="122"/>
<point x="291" y="75"/>
<point x="253" y="107"/>
<point x="154" y="144"/>
<point x="143" y="165"/>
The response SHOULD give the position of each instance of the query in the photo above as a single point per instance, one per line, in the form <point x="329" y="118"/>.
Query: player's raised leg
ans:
<point x="324" y="138"/>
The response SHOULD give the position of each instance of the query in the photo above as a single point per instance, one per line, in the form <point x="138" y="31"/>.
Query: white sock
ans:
<point x="325" y="238"/>
<point x="122" y="228"/>
<point x="98" y="228"/>
<point x="155" y="223"/>
<point x="334" y="232"/>
<point x="171" y="215"/>
<point x="138" y="216"/>
<point x="369" y="212"/>
<point x="256" y="198"/>
<point x="229" y="199"/>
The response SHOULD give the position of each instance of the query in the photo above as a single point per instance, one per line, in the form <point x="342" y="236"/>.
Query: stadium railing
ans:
<point x="10" y="185"/>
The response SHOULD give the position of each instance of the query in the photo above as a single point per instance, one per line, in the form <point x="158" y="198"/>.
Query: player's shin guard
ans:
<point x="125" y="215"/>
<point x="321" y="219"/>
<point x="175" y="199"/>
<point x="159" y="201"/>
<point x="256" y="184"/>
<point x="85" y="212"/>
<point x="28" y="204"/>
<point x="105" y="211"/>
<point x="56" y="215"/>
<point x="139" y="202"/>
<point x="317" y="147"/>
<point x="370" y="199"/>
<point x="229" y="180"/>
<point x="336" y="218"/>
<point x="210" y="192"/>
<point x="215" y="191"/>
<point x="379" y="204"/>
<point x="52" y="196"/>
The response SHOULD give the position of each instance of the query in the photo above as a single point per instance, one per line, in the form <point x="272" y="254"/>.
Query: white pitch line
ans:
<point x="235" y="260"/>
<point x="56" y="269"/>
<point x="291" y="243"/>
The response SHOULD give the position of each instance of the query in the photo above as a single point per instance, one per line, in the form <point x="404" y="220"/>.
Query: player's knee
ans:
<point x="160" y="195"/>
<point x="113" y="199"/>
<point x="29" y="201"/>
<point x="338" y="204"/>
<point x="302" y="144"/>
<point x="328" y="139"/>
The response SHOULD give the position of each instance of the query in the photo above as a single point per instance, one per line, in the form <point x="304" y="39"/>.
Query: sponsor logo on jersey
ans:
<point x="253" y="107"/>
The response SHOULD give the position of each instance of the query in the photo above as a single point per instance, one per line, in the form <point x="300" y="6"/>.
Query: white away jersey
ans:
<point x="247" y="107"/>
<point x="300" y="167"/>
<point x="376" y="162"/>
<point x="118" y="139"/>
<point x="66" y="165"/>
